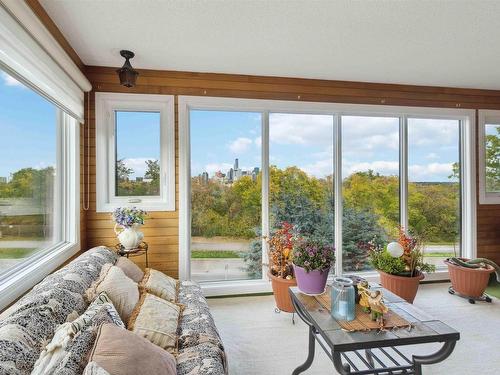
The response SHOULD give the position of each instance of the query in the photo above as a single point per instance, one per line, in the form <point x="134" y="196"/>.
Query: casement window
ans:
<point x="489" y="157"/>
<point x="347" y="174"/>
<point x="135" y="155"/>
<point x="41" y="107"/>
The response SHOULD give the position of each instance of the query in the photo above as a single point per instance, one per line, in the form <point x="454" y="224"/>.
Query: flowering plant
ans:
<point x="280" y="249"/>
<point x="127" y="217"/>
<point x="407" y="259"/>
<point x="313" y="254"/>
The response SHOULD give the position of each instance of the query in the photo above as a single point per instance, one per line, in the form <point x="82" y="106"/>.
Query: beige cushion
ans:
<point x="93" y="368"/>
<point x="122" y="352"/>
<point x="130" y="269"/>
<point x="123" y="292"/>
<point x="159" y="284"/>
<point x="156" y="319"/>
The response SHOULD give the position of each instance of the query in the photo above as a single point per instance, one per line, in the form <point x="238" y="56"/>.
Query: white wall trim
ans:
<point x="186" y="103"/>
<point x="106" y="105"/>
<point x="184" y="189"/>
<point x="485" y="117"/>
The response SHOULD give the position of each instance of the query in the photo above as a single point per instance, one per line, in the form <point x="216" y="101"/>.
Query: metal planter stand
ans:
<point x="472" y="300"/>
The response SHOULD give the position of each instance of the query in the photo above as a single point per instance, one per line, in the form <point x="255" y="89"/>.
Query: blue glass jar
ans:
<point x="343" y="299"/>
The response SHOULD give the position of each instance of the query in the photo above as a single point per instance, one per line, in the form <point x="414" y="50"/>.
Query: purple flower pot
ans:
<point x="312" y="282"/>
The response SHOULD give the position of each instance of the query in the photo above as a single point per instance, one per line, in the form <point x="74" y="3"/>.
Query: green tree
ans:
<point x="493" y="161"/>
<point x="153" y="171"/>
<point x="122" y="171"/>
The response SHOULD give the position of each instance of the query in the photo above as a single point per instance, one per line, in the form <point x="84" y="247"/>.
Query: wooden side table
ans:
<point x="142" y="249"/>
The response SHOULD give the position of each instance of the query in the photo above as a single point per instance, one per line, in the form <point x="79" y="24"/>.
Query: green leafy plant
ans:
<point x="410" y="263"/>
<point x="385" y="262"/>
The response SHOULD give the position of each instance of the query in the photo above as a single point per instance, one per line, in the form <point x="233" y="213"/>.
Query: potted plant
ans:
<point x="469" y="278"/>
<point x="312" y="260"/>
<point x="280" y="266"/>
<point x="129" y="220"/>
<point x="401" y="265"/>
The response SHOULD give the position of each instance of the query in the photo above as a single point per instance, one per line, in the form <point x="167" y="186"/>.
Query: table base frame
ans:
<point x="372" y="362"/>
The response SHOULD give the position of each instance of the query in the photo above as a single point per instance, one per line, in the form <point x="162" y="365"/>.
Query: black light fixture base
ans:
<point x="127" y="54"/>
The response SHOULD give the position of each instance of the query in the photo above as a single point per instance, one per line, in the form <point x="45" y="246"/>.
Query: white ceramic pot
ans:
<point x="130" y="237"/>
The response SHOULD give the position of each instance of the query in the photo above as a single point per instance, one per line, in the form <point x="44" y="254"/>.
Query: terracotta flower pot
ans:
<point x="469" y="282"/>
<point x="405" y="287"/>
<point x="281" y="294"/>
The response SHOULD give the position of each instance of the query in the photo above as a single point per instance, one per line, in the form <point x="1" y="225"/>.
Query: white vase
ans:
<point x="130" y="237"/>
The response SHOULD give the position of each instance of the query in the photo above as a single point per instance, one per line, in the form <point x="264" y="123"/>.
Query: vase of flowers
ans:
<point x="312" y="260"/>
<point x="280" y="265"/>
<point x="401" y="265"/>
<point x="128" y="221"/>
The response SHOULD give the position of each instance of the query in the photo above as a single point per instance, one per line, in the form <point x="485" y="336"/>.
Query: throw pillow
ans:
<point x="123" y="352"/>
<point x="130" y="269"/>
<point x="57" y="350"/>
<point x="156" y="320"/>
<point x="123" y="292"/>
<point x="159" y="284"/>
<point x="94" y="369"/>
<point x="78" y="349"/>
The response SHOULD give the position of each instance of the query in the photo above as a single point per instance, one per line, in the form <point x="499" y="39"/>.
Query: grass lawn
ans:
<point x="439" y="255"/>
<point x="211" y="254"/>
<point x="15" y="253"/>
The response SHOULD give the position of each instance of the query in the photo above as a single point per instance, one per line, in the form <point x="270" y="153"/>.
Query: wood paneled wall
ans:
<point x="161" y="230"/>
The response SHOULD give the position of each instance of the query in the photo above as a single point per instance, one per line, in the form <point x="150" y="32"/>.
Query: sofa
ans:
<point x="30" y="323"/>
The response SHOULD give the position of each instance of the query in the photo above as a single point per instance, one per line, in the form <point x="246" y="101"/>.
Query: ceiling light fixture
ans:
<point x="127" y="74"/>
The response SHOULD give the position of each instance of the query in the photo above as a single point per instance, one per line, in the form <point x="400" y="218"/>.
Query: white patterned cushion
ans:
<point x="32" y="320"/>
<point x="68" y="335"/>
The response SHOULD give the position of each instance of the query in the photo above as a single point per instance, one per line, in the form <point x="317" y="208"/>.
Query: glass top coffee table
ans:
<point x="373" y="352"/>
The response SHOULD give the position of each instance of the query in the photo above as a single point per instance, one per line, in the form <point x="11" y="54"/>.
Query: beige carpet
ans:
<point x="259" y="341"/>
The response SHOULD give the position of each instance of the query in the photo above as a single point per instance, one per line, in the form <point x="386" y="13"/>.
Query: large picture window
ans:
<point x="346" y="174"/>
<point x="38" y="192"/>
<point x="135" y="155"/>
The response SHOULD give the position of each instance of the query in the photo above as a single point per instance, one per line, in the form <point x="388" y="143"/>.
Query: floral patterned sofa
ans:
<point x="30" y="323"/>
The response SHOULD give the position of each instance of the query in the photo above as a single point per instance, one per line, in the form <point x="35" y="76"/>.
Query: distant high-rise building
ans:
<point x="3" y="180"/>
<point x="230" y="175"/>
<point x="204" y="178"/>
<point x="236" y="164"/>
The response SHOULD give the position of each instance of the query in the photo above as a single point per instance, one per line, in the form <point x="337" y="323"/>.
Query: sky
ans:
<point x="306" y="141"/>
<point x="137" y="139"/>
<point x="27" y="128"/>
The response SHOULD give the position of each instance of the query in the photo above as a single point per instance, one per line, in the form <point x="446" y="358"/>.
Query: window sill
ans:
<point x="243" y="287"/>
<point x="237" y="287"/>
<point x="13" y="286"/>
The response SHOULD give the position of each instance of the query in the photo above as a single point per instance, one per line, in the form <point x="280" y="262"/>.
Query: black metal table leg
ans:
<point x="436" y="357"/>
<point x="310" y="356"/>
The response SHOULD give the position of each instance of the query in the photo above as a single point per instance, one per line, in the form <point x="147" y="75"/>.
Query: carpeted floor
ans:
<point x="260" y="342"/>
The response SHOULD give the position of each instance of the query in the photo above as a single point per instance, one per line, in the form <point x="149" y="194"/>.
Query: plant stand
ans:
<point x="277" y="311"/>
<point x="472" y="300"/>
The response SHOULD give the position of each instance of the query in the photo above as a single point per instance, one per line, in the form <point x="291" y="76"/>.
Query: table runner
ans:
<point x="363" y="321"/>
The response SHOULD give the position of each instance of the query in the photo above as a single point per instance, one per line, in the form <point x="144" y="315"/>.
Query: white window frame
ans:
<point x="106" y="106"/>
<point x="23" y="276"/>
<point x="485" y="117"/>
<point x="468" y="182"/>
